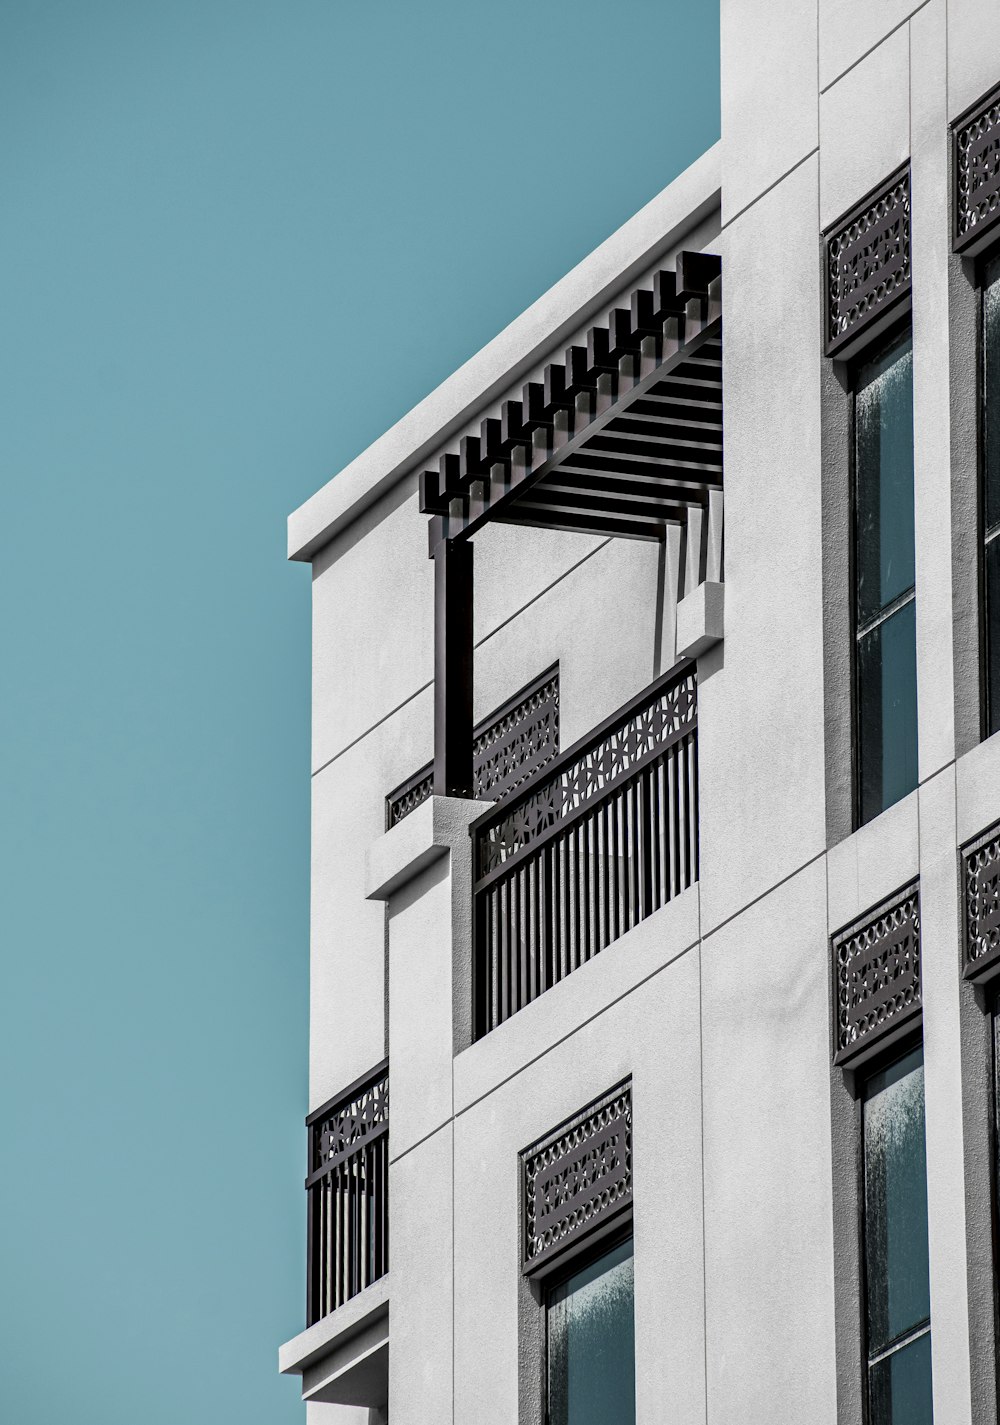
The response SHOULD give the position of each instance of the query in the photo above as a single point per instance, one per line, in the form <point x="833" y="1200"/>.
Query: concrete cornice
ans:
<point x="546" y="324"/>
<point x="437" y="827"/>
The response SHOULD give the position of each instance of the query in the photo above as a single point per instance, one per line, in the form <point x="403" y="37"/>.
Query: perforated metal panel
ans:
<point x="977" y="175"/>
<point x="578" y="1180"/>
<point x="981" y="895"/>
<point x="517" y="740"/>
<point x="876" y="970"/>
<point x="868" y="264"/>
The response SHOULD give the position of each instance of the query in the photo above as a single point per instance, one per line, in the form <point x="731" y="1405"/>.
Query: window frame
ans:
<point x="894" y="1053"/>
<point x="987" y="259"/>
<point x="881" y="343"/>
<point x="561" y="1273"/>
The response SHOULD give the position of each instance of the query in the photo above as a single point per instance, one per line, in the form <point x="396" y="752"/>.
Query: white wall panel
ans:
<point x="769" y="111"/>
<point x="973" y="51"/>
<point x="939" y="973"/>
<point x="760" y="714"/>
<point x="769" y="1252"/>
<point x="930" y="248"/>
<point x="864" y="126"/>
<point x="848" y="29"/>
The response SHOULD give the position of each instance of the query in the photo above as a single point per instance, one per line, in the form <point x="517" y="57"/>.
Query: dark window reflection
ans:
<point x="991" y="491"/>
<point x="897" y="1289"/>
<point x="885" y="624"/>
<point x="900" y="1386"/>
<point x="591" y="1344"/>
<point x="887" y="711"/>
<point x="884" y="452"/>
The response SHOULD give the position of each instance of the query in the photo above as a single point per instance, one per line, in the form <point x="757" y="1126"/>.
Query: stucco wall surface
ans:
<point x="747" y="1273"/>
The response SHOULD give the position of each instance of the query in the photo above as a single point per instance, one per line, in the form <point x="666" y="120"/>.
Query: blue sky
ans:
<point x="238" y="239"/>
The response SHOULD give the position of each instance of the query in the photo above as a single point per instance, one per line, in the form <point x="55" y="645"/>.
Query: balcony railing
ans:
<point x="510" y="746"/>
<point x="606" y="835"/>
<point x="348" y="1194"/>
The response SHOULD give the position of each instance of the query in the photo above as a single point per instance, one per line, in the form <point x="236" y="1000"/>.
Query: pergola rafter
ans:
<point x="623" y="437"/>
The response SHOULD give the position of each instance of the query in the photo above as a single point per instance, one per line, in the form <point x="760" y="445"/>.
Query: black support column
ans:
<point x="453" y="668"/>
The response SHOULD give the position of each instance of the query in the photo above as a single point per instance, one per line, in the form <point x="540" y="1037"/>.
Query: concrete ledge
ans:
<point x="437" y="827"/>
<point x="344" y="1359"/>
<point x="700" y="619"/>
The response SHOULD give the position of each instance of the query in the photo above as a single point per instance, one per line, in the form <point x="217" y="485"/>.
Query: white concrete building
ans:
<point x="656" y="884"/>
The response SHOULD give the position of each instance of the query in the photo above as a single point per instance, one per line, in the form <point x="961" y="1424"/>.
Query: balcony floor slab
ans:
<point x="344" y="1358"/>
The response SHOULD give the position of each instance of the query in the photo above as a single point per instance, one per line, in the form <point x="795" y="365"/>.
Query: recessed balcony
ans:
<point x="587" y="848"/>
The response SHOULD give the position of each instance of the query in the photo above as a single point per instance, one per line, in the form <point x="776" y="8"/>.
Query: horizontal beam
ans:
<point x="661" y="486"/>
<point x="628" y="503"/>
<point x="671" y="457"/>
<point x="696" y="435"/>
<point x="658" y="406"/>
<point x="600" y="525"/>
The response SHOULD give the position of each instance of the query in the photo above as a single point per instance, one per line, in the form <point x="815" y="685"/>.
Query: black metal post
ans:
<point x="453" y="669"/>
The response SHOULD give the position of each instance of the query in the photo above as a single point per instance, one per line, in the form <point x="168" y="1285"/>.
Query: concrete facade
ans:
<point x="718" y="1006"/>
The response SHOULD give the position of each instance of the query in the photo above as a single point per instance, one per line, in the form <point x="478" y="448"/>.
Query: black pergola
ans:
<point x="620" y="438"/>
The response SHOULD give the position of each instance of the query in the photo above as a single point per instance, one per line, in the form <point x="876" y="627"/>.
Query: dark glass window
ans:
<point x="991" y="493"/>
<point x="591" y="1344"/>
<point x="897" y="1288"/>
<point x="885" y="623"/>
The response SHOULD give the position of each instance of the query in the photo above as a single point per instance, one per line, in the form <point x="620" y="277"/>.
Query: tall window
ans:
<point x="885" y="608"/>
<point x="991" y="494"/>
<point x="897" y="1291"/>
<point x="591" y="1344"/>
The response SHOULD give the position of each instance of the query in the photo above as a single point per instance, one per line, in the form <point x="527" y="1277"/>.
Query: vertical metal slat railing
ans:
<point x="605" y="837"/>
<point x="348" y="1196"/>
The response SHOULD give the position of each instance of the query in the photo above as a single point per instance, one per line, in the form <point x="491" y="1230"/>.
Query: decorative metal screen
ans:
<point x="876" y="967"/>
<point x="981" y="889"/>
<point x="613" y="754"/>
<point x="868" y="263"/>
<point x="409" y="796"/>
<point x="348" y="1194"/>
<point x="514" y="742"/>
<point x="977" y="174"/>
<point x="578" y="1179"/>
<point x="605" y="837"/>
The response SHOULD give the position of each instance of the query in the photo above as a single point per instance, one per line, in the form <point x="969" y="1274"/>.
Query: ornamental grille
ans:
<point x="579" y="1178"/>
<point x="981" y="888"/>
<point x="509" y="747"/>
<point x="868" y="263"/>
<point x="977" y="174"/>
<point x="876" y="965"/>
<point x="339" y="1130"/>
<point x="518" y="742"/>
<point x="411" y="795"/>
<point x="616" y="754"/>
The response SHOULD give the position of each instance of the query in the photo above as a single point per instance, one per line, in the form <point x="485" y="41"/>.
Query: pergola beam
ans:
<point x="506" y="482"/>
<point x="622" y="438"/>
<point x="453" y="662"/>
